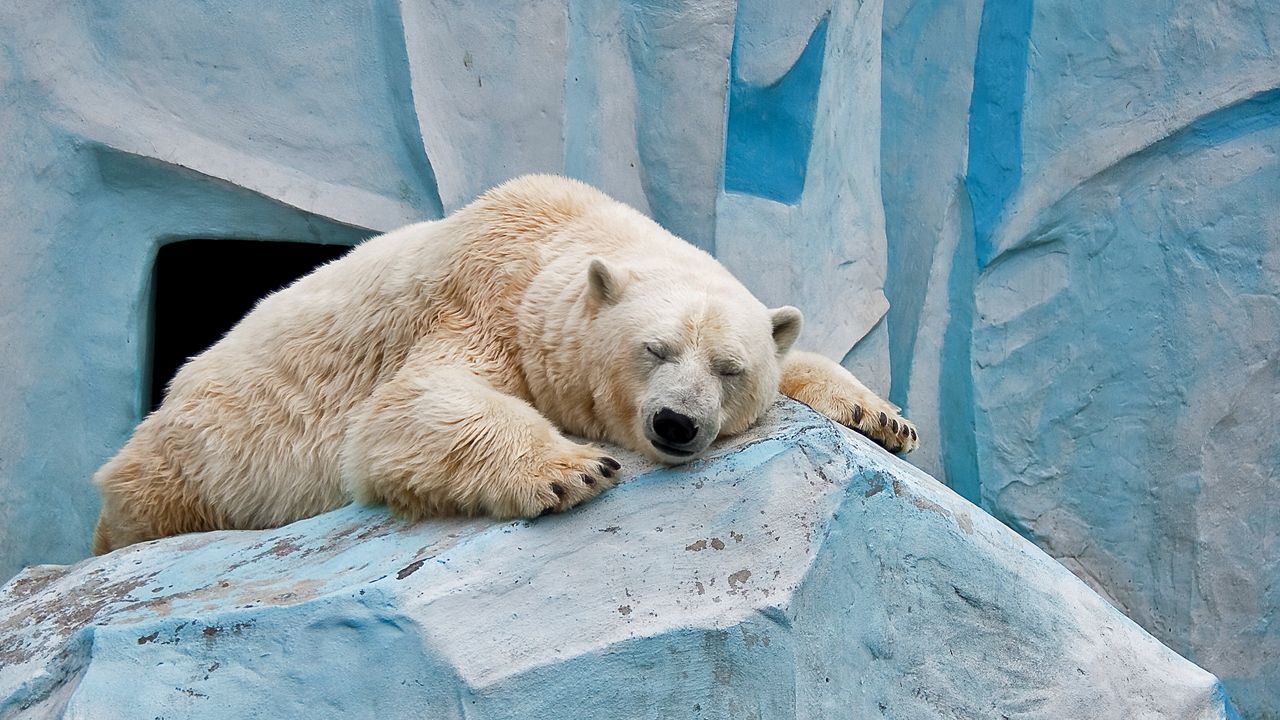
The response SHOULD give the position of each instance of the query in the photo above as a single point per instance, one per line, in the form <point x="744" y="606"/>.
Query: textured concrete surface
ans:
<point x="1084" y="272"/>
<point x="928" y="55"/>
<point x="798" y="572"/>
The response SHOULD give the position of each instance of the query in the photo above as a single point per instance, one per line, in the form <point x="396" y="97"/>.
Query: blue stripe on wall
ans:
<point x="770" y="129"/>
<point x="956" y="421"/>
<point x="994" y="171"/>
<point x="995" y="115"/>
<point x="390" y="27"/>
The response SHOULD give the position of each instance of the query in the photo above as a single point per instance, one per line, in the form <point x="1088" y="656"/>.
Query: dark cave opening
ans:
<point x="203" y="287"/>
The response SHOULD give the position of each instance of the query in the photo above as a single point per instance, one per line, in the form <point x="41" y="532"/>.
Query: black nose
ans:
<point x="673" y="427"/>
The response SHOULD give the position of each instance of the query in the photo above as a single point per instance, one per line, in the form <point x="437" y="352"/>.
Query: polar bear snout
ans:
<point x="676" y="436"/>
<point x="675" y="432"/>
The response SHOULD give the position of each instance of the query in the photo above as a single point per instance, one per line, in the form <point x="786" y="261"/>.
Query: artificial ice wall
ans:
<point x="1047" y="229"/>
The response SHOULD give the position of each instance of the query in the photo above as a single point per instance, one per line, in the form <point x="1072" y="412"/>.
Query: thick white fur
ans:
<point x="436" y="368"/>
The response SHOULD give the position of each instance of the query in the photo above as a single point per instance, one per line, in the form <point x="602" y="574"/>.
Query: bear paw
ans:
<point x="873" y="417"/>
<point x="868" y="414"/>
<point x="882" y="423"/>
<point x="566" y="480"/>
<point x="825" y="386"/>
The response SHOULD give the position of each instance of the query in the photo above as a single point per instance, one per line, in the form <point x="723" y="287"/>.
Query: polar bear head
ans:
<point x="683" y="354"/>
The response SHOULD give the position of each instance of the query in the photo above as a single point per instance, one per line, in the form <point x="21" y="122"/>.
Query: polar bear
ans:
<point x="439" y="369"/>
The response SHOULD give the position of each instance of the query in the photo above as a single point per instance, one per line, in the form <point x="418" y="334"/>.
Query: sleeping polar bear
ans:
<point x="438" y="368"/>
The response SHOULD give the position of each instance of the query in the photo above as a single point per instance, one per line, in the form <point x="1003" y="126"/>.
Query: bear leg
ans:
<point x="825" y="386"/>
<point x="101" y="537"/>
<point x="437" y="439"/>
<point x="144" y="497"/>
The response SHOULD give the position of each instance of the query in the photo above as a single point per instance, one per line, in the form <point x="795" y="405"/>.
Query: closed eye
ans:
<point x="657" y="351"/>
<point x="730" y="370"/>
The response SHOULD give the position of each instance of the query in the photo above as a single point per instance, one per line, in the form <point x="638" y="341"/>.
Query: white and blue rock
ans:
<point x="797" y="572"/>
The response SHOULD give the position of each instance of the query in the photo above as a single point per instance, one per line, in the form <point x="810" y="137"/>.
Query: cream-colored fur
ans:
<point x="437" y="369"/>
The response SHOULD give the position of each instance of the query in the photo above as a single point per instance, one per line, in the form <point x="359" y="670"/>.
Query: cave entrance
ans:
<point x="203" y="287"/>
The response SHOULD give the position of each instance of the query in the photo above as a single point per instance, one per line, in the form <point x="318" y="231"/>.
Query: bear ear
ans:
<point x="786" y="326"/>
<point x="604" y="286"/>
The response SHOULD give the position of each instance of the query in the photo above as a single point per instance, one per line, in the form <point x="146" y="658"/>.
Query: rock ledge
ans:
<point x="798" y="572"/>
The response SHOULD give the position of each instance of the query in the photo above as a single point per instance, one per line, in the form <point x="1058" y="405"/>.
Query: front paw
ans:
<point x="825" y="386"/>
<point x="885" y="426"/>
<point x="562" y="480"/>
<point x="869" y="415"/>
<point x="569" y="484"/>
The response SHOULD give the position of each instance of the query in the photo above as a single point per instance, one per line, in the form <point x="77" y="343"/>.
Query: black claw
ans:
<point x="894" y="424"/>
<point x="913" y="434"/>
<point x="884" y="419"/>
<point x="613" y="464"/>
<point x="588" y="480"/>
<point x="558" y="490"/>
<point x="606" y="470"/>
<point x="857" y="414"/>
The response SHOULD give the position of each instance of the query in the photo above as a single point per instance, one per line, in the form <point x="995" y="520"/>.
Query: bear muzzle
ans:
<point x="675" y="435"/>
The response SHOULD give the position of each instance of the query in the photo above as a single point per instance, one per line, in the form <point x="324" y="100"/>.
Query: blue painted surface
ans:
<point x="1125" y="369"/>
<point x="1108" y="341"/>
<point x="420" y="176"/>
<point x="770" y="129"/>
<point x="957" y="418"/>
<point x="995" y="114"/>
<point x="929" y="52"/>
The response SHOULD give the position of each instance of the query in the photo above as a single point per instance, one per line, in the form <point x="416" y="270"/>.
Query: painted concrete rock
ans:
<point x="798" y="572"/>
